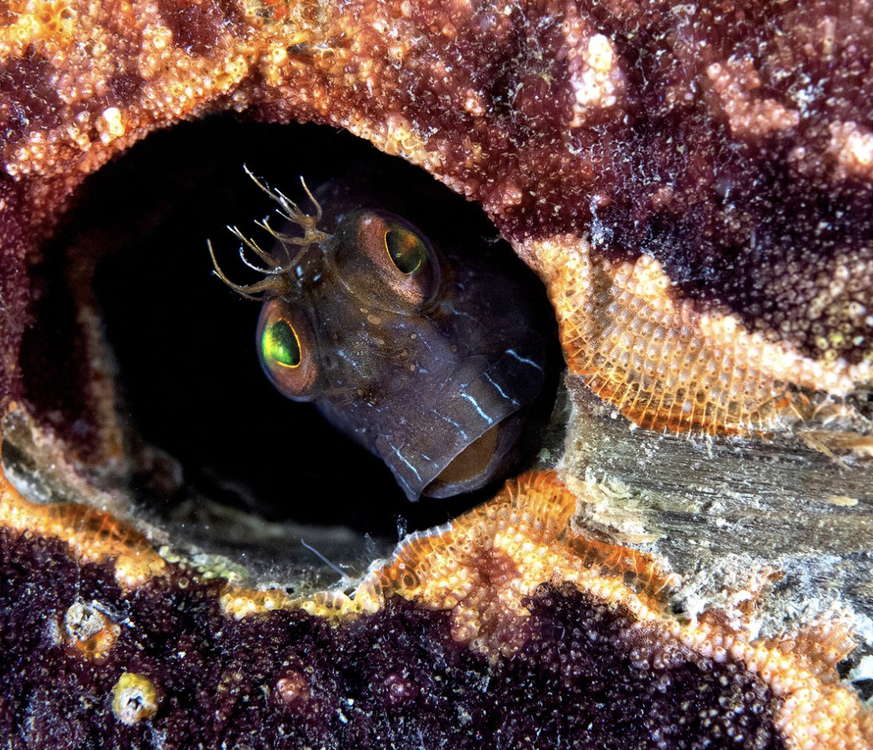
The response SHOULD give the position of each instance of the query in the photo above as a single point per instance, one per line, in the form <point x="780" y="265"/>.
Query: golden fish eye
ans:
<point x="406" y="249"/>
<point x="281" y="345"/>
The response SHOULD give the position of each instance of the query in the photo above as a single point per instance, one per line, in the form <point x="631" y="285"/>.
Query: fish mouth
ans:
<point x="467" y="438"/>
<point x="487" y="457"/>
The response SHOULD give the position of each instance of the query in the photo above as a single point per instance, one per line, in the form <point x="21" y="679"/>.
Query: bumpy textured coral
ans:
<point x="667" y="365"/>
<point x="509" y="597"/>
<point x="685" y="157"/>
<point x="692" y="181"/>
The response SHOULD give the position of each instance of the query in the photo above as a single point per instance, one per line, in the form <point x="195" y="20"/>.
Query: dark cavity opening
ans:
<point x="183" y="343"/>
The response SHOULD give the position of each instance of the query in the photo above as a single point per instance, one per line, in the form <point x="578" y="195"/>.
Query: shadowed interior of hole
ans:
<point x="184" y="342"/>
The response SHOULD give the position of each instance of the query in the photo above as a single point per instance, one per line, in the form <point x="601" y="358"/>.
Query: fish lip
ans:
<point x="476" y="398"/>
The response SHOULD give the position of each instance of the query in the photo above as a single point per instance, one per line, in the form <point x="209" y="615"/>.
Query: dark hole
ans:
<point x="184" y="342"/>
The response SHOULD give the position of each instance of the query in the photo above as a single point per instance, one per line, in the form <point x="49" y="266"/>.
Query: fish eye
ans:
<point x="286" y="347"/>
<point x="406" y="249"/>
<point x="385" y="261"/>
<point x="281" y="344"/>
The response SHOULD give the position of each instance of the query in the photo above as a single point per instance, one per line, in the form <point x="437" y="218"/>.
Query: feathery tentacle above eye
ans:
<point x="273" y="266"/>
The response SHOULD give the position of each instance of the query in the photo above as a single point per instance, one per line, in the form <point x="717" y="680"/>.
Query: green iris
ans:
<point x="280" y="344"/>
<point x="406" y="249"/>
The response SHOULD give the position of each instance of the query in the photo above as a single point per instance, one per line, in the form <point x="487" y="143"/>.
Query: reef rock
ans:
<point x="693" y="185"/>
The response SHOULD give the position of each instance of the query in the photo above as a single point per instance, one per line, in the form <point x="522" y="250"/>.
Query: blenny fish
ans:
<point x="414" y="339"/>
